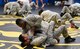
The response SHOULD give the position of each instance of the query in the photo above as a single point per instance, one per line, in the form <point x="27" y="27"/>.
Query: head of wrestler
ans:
<point x="20" y="3"/>
<point x="21" y="23"/>
<point x="40" y="11"/>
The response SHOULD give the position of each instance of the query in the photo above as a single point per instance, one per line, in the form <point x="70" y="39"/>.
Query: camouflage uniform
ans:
<point x="11" y="8"/>
<point x="73" y="9"/>
<point x="53" y="16"/>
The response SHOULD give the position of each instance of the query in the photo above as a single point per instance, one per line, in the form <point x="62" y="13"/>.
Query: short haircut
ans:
<point x="18" y="1"/>
<point x="40" y="11"/>
<point x="18" y="21"/>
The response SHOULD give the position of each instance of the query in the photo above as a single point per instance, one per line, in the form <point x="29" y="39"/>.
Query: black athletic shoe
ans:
<point x="69" y="39"/>
<point x="76" y="27"/>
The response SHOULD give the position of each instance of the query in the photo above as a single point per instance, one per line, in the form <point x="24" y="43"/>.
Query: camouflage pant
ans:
<point x="50" y="35"/>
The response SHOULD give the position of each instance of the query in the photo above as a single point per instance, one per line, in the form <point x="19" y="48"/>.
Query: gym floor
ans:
<point x="9" y="32"/>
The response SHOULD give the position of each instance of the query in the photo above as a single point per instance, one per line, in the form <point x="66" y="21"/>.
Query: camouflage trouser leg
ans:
<point x="65" y="10"/>
<point x="66" y="17"/>
<point x="50" y="40"/>
<point x="56" y="19"/>
<point x="38" y="40"/>
<point x="61" y="30"/>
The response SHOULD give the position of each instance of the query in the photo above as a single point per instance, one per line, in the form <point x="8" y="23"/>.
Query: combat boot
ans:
<point x="69" y="39"/>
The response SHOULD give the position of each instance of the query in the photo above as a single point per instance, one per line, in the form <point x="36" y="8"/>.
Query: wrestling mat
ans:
<point x="9" y="33"/>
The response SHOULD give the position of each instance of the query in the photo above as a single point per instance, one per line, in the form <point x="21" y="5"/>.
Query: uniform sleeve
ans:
<point x="5" y="8"/>
<point x="38" y="22"/>
<point x="18" y="7"/>
<point x="24" y="31"/>
<point x="23" y="8"/>
<point x="33" y="20"/>
<point x="42" y="15"/>
<point x="30" y="20"/>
